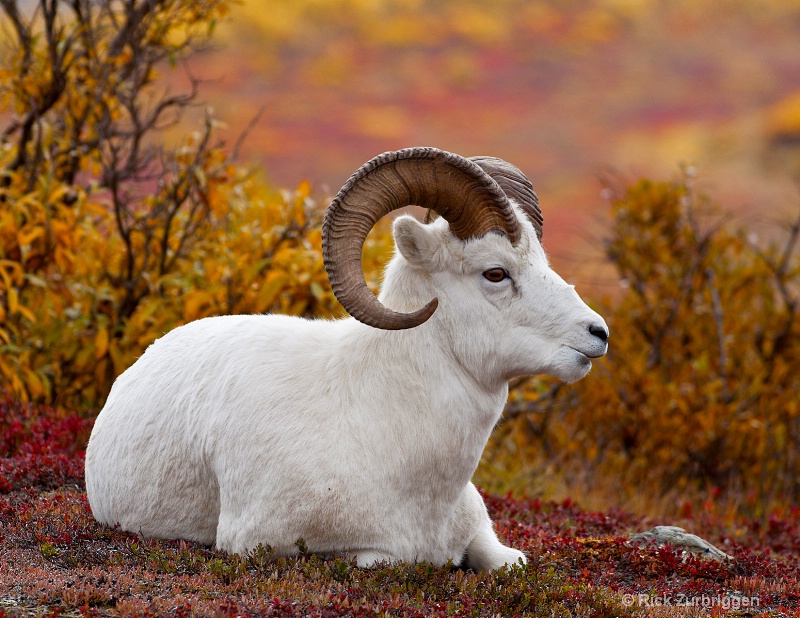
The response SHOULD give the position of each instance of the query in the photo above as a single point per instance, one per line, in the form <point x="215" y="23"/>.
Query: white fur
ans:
<point x="241" y="430"/>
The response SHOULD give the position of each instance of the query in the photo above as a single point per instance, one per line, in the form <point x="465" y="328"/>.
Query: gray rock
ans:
<point x="679" y="538"/>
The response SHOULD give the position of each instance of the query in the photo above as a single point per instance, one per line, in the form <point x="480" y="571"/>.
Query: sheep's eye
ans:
<point x="495" y="275"/>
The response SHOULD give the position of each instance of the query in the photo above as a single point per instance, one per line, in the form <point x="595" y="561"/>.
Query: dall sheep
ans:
<point x="359" y="436"/>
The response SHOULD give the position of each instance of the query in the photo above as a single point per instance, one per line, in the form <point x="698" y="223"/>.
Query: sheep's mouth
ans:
<point x="586" y="355"/>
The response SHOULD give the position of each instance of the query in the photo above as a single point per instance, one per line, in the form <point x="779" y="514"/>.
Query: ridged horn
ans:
<point x="453" y="186"/>
<point x="516" y="186"/>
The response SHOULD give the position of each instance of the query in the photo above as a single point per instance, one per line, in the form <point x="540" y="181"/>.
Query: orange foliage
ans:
<point x="63" y="335"/>
<point x="109" y="238"/>
<point x="699" y="390"/>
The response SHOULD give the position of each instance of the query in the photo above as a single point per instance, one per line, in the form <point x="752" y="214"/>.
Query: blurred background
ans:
<point x="582" y="96"/>
<point x="663" y="139"/>
<point x="567" y="90"/>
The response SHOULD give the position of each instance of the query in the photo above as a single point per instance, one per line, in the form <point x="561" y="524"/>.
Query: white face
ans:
<point x="505" y="299"/>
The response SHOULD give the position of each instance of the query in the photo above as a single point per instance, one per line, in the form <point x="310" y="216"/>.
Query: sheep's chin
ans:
<point x="575" y="366"/>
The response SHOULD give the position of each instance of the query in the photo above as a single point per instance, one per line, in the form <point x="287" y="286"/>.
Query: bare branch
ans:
<point x="134" y="15"/>
<point x="182" y="190"/>
<point x="789" y="248"/>
<point x="58" y="48"/>
<point x="781" y="271"/>
<point x="719" y="322"/>
<point x="22" y="30"/>
<point x="243" y="135"/>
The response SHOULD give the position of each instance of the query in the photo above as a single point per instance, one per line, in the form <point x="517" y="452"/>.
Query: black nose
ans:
<point x="599" y="331"/>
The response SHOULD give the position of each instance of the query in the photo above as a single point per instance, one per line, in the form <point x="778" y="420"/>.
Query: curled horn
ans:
<point x="516" y="186"/>
<point x="455" y="187"/>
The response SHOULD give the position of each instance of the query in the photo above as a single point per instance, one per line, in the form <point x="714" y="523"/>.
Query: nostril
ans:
<point x="599" y="331"/>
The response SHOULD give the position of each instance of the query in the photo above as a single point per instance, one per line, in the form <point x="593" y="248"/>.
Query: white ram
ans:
<point x="357" y="435"/>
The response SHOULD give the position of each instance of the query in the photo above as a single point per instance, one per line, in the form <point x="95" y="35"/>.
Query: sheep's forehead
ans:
<point x="495" y="249"/>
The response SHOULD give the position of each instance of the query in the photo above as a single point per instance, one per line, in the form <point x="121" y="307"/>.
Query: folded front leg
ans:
<point x="486" y="552"/>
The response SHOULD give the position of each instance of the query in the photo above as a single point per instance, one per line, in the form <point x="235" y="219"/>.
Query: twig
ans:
<point x="245" y="132"/>
<point x="719" y="322"/>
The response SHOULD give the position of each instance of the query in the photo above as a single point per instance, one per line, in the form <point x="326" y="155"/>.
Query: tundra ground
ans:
<point x="56" y="560"/>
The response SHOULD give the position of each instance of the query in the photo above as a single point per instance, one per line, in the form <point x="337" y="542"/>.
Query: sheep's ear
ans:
<point x="415" y="241"/>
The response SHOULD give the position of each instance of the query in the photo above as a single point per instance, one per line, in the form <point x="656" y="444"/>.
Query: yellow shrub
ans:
<point x="699" y="390"/>
<point x="63" y="337"/>
<point x="109" y="237"/>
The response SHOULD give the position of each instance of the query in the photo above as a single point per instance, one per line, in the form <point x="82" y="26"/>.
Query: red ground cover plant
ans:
<point x="41" y="447"/>
<point x="56" y="560"/>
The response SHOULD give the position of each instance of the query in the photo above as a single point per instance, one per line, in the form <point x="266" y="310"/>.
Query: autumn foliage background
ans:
<point x="127" y="207"/>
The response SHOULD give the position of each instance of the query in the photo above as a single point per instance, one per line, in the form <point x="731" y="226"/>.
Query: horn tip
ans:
<point x="392" y="320"/>
<point x="415" y="318"/>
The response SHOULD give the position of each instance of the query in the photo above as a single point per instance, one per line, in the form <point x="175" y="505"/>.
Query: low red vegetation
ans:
<point x="54" y="558"/>
<point x="41" y="448"/>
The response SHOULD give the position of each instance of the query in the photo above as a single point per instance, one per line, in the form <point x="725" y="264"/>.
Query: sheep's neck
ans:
<point x="431" y="407"/>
